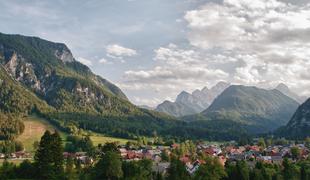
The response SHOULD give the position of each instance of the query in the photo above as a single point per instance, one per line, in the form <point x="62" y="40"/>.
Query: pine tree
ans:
<point x="108" y="167"/>
<point x="57" y="154"/>
<point x="43" y="157"/>
<point x="177" y="170"/>
<point x="69" y="167"/>
<point x="49" y="158"/>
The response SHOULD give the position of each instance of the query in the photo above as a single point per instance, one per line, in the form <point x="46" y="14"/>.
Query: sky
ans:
<point x="154" y="49"/>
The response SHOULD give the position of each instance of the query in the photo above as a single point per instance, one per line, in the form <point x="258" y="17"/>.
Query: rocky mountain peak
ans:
<point x="282" y="87"/>
<point x="286" y="91"/>
<point x="64" y="54"/>
<point x="196" y="102"/>
<point x="220" y="86"/>
<point x="205" y="89"/>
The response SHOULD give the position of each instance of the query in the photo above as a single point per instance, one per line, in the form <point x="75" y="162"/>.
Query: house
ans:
<point x="285" y="151"/>
<point x="239" y="150"/>
<point x="253" y="148"/>
<point x="277" y="159"/>
<point x="67" y="155"/>
<point x="185" y="159"/>
<point x="20" y="154"/>
<point x="156" y="158"/>
<point x="123" y="152"/>
<point x="2" y="156"/>
<point x="174" y="146"/>
<point x="134" y="155"/>
<point x="237" y="157"/>
<point x="85" y="160"/>
<point x="147" y="155"/>
<point x="193" y="167"/>
<point x="161" y="167"/>
<point x="266" y="159"/>
<point x="130" y="155"/>
<point x="212" y="151"/>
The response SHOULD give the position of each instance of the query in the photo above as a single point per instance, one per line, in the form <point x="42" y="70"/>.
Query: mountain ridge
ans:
<point x="264" y="109"/>
<point x="192" y="103"/>
<point x="42" y="77"/>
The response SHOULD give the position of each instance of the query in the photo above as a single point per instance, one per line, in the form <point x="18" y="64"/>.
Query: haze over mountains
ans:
<point x="186" y="103"/>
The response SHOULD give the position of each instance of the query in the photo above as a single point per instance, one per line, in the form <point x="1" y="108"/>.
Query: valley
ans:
<point x="154" y="90"/>
<point x="53" y="104"/>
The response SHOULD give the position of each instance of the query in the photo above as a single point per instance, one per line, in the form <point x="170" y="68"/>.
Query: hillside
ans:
<point x="175" y="108"/>
<point x="15" y="101"/>
<point x="34" y="130"/>
<point x="299" y="126"/>
<point x="258" y="109"/>
<point x="42" y="77"/>
<point x="196" y="102"/>
<point x="50" y="71"/>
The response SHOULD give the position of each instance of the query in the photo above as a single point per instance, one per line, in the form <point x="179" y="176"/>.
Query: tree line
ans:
<point x="49" y="163"/>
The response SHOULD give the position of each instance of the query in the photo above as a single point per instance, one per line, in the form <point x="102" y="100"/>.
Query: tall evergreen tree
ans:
<point x="211" y="170"/>
<point x="108" y="167"/>
<point x="243" y="171"/>
<point x="49" y="157"/>
<point x="177" y="170"/>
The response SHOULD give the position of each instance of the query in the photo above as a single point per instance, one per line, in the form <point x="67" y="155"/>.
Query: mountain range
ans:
<point x="43" y="78"/>
<point x="196" y="102"/>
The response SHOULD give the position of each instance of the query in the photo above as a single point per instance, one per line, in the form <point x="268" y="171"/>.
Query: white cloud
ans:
<point x="85" y="61"/>
<point x="178" y="69"/>
<point x="268" y="38"/>
<point x="152" y="102"/>
<point x="261" y="42"/>
<point x="104" y="61"/>
<point x="117" y="51"/>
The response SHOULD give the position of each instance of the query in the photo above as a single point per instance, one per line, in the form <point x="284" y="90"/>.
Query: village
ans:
<point x="159" y="155"/>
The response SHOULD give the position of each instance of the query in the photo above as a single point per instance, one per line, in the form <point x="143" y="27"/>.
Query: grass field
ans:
<point x="15" y="161"/>
<point x="99" y="139"/>
<point x="35" y="128"/>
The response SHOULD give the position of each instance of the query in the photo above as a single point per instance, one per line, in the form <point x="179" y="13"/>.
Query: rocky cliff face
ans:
<point x="23" y="71"/>
<point x="50" y="70"/>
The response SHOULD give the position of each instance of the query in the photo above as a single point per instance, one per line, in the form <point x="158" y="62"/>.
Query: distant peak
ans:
<point x="282" y="86"/>
<point x="205" y="88"/>
<point x="222" y="83"/>
<point x="196" y="91"/>
<point x="165" y="102"/>
<point x="184" y="93"/>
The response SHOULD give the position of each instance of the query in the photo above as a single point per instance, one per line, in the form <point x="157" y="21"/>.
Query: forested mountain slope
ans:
<point x="299" y="125"/>
<point x="265" y="109"/>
